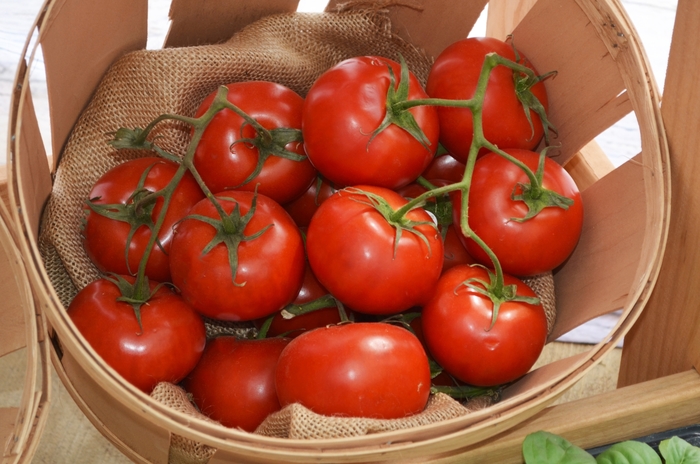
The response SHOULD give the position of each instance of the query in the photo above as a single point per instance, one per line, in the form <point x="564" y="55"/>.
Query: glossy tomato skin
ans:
<point x="454" y="75"/>
<point x="303" y="208"/>
<point x="168" y="348"/>
<point x="363" y="369"/>
<point x="351" y="250"/>
<point x="525" y="248"/>
<point x="341" y="111"/>
<point x="455" y="251"/>
<point x="456" y="325"/>
<point x="234" y="381"/>
<point x="270" y="267"/>
<point x="445" y="167"/>
<point x="224" y="162"/>
<point x="105" y="239"/>
<point x="310" y="290"/>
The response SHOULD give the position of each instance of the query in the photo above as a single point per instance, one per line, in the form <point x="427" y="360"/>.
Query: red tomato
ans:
<point x="454" y="75"/>
<point x="311" y="290"/>
<point x="456" y="325"/>
<point x="527" y="248"/>
<point x="368" y="369"/>
<point x="342" y="110"/>
<point x="304" y="207"/>
<point x="270" y="267"/>
<point x="225" y="158"/>
<point x="166" y="350"/>
<point x="234" y="382"/>
<point x="445" y="167"/>
<point x="455" y="251"/>
<point x="105" y="239"/>
<point x="353" y="252"/>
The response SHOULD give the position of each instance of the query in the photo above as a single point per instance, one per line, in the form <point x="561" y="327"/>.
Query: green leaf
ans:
<point x="629" y="452"/>
<point x="546" y="448"/>
<point x="675" y="450"/>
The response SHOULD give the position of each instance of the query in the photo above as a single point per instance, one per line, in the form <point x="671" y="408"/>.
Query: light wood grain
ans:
<point x="666" y="338"/>
<point x="622" y="414"/>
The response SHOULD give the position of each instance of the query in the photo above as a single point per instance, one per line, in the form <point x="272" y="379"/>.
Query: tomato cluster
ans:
<point x="373" y="231"/>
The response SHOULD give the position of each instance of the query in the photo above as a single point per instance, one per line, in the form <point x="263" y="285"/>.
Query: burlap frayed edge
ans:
<point x="183" y="450"/>
<point x="298" y="422"/>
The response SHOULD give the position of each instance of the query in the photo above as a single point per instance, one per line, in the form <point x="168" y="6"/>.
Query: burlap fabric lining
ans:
<point x="291" y="49"/>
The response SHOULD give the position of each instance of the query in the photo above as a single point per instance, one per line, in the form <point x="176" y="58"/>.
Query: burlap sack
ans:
<point x="298" y="422"/>
<point x="291" y="49"/>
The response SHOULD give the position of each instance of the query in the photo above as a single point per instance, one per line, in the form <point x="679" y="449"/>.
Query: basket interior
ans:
<point x="602" y="77"/>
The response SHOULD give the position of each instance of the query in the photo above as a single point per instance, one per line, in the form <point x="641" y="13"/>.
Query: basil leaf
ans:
<point x="546" y="448"/>
<point x="629" y="452"/>
<point x="675" y="450"/>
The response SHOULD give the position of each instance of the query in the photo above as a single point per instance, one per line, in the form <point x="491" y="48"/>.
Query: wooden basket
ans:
<point x="603" y="75"/>
<point x="24" y="351"/>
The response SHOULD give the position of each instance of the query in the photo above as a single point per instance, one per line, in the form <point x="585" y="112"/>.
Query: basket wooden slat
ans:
<point x="21" y="335"/>
<point x="583" y="290"/>
<point x="614" y="267"/>
<point x="673" y="307"/>
<point x="215" y="21"/>
<point x="72" y="26"/>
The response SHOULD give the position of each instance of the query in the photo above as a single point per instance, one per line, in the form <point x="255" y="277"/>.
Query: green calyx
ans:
<point x="136" y="294"/>
<point x="137" y="212"/>
<point x="497" y="292"/>
<point x="524" y="82"/>
<point x="397" y="113"/>
<point x="230" y="231"/>
<point x="537" y="197"/>
<point x="396" y="218"/>
<point x="270" y="143"/>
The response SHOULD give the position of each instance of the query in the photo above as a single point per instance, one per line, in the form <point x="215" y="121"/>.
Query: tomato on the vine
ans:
<point x="303" y="208"/>
<point x="342" y="111"/>
<point x="163" y="347"/>
<point x="372" y="263"/>
<point x="523" y="247"/>
<point x="234" y="381"/>
<point x="233" y="155"/>
<point x="454" y="75"/>
<point x="363" y="369"/>
<point x="244" y="267"/>
<point x="116" y="208"/>
<point x="311" y="291"/>
<point x="457" y="326"/>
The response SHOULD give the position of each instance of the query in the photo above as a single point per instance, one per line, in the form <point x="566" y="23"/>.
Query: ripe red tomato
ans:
<point x="456" y="325"/>
<point x="342" y="110"/>
<point x="165" y="350"/>
<point x="364" y="369"/>
<point x="455" y="251"/>
<point x="526" y="248"/>
<point x="105" y="239"/>
<point x="311" y="290"/>
<point x="353" y="252"/>
<point x="304" y="207"/>
<point x="234" y="381"/>
<point x="454" y="75"/>
<point x="445" y="167"/>
<point x="225" y="157"/>
<point x="270" y="266"/>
